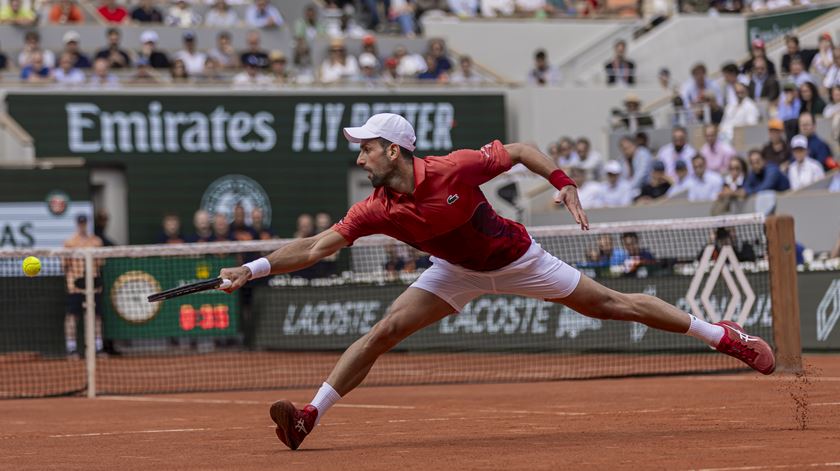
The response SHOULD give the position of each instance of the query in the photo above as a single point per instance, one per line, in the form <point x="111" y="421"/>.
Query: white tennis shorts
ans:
<point x="536" y="274"/>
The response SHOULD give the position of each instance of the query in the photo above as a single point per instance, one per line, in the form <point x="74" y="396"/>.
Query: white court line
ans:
<point x="777" y="466"/>
<point x="234" y="401"/>
<point x="134" y="432"/>
<point x="815" y="379"/>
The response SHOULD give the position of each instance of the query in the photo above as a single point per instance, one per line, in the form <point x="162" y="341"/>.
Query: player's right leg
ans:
<point x="411" y="311"/>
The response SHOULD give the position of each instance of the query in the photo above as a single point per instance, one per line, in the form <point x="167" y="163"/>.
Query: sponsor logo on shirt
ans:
<point x="452" y="198"/>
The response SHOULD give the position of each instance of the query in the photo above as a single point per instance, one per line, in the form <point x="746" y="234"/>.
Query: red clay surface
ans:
<point x="726" y="422"/>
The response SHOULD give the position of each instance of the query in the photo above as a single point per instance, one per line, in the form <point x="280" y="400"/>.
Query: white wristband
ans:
<point x="259" y="268"/>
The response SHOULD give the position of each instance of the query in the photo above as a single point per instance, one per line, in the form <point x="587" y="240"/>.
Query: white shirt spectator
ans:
<point x="592" y="164"/>
<point x="550" y="76"/>
<point x="411" y="65"/>
<point x="669" y="156"/>
<point x="618" y="195"/>
<point x="705" y="188"/>
<point x="679" y="187"/>
<point x="733" y="183"/>
<point x="244" y="79"/>
<point x="493" y="8"/>
<point x="571" y="160"/>
<point x="745" y="113"/>
<point x="267" y="18"/>
<point x="182" y="16"/>
<point x="221" y="19"/>
<point x="73" y="76"/>
<point x="802" y="174"/>
<point x="193" y="62"/>
<point x="463" y="8"/>
<point x="530" y="5"/>
<point x="46" y="55"/>
<point x="334" y="72"/>
<point x="474" y="77"/>
<point x="823" y="61"/>
<point x="591" y="193"/>
<point x="832" y="77"/>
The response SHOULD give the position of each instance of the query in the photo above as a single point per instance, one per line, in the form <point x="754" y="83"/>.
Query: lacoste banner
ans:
<point x="285" y="154"/>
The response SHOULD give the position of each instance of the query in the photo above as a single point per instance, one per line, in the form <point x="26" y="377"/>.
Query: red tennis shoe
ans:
<point x="293" y="425"/>
<point x="753" y="351"/>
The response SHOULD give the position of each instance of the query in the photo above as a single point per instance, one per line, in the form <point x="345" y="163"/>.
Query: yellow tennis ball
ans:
<point x="31" y="266"/>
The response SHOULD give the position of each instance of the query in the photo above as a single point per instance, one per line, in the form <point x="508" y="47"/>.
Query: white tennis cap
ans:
<point x="799" y="142"/>
<point x="613" y="167"/>
<point x="389" y="126"/>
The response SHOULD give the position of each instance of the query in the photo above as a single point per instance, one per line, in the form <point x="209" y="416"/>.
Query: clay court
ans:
<point x="721" y="422"/>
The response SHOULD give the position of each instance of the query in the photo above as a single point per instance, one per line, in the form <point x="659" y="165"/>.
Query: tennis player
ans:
<point x="435" y="204"/>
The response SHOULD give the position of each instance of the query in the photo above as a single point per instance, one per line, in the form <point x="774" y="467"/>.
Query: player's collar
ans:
<point x="419" y="171"/>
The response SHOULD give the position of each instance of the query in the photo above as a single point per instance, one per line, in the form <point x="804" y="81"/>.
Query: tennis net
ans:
<point x="287" y="331"/>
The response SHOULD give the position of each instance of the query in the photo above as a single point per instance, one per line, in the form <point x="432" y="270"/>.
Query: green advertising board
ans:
<point x="128" y="315"/>
<point x="285" y="153"/>
<point x="772" y="25"/>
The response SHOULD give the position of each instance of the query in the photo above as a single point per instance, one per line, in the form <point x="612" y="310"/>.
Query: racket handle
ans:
<point x="225" y="284"/>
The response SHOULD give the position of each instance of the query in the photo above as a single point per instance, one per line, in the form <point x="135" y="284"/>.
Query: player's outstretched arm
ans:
<point x="293" y="256"/>
<point x="542" y="165"/>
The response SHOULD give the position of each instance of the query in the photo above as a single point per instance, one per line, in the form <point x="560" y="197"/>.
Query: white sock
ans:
<point x="702" y="330"/>
<point x="324" y="399"/>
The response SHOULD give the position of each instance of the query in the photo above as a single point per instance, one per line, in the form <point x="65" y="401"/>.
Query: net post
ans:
<point x="784" y="292"/>
<point x="90" y="326"/>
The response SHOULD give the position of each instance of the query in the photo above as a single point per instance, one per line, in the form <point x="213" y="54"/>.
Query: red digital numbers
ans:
<point x="208" y="317"/>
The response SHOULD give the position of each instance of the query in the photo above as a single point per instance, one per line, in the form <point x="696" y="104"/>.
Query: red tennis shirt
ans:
<point x="447" y="215"/>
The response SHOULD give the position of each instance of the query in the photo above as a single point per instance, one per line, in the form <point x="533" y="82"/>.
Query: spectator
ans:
<point x="677" y="149"/>
<point x="466" y="74"/>
<point x="692" y="91"/>
<point x="832" y="76"/>
<point x="637" y="162"/>
<point x="212" y="72"/>
<point x="743" y="113"/>
<point x="776" y="150"/>
<point x="263" y="15"/>
<point x="803" y="170"/>
<point x="730" y="78"/>
<point x="346" y="27"/>
<point x="65" y="12"/>
<point x="170" y="230"/>
<point x="117" y="58"/>
<point x="192" y="58"/>
<point x="403" y="12"/>
<point x="368" y="74"/>
<point x="36" y="71"/>
<point x="631" y="117"/>
<point x="822" y="61"/>
<point x="617" y="191"/>
<point x="620" y="70"/>
<point x="201" y="224"/>
<point x="143" y="74"/>
<point x="708" y="111"/>
<point x="31" y="45"/>
<point x="389" y="73"/>
<point x="790" y="105"/>
<point x="111" y="12"/>
<point x="369" y="45"/>
<point x="100" y="222"/>
<point x="102" y="76"/>
<point x="437" y="50"/>
<point x="681" y="180"/>
<point x="224" y="53"/>
<point x="302" y="62"/>
<point x="762" y="84"/>
<point x="409" y="65"/>
<point x="463" y="8"/>
<point x="15" y="13"/>
<point x="812" y="103"/>
<point x="764" y="176"/>
<point x="280" y="73"/>
<point x="254" y="54"/>
<point x="657" y="185"/>
<point x="251" y="76"/>
<point x="758" y="51"/>
<point x="327" y="266"/>
<point x="798" y="75"/>
<point x="221" y="15"/>
<point x="632" y="256"/>
<point x="733" y="187"/>
<point x="589" y="160"/>
<point x="179" y="73"/>
<point x="494" y="8"/>
<point x="722" y="237"/>
<point x="71" y="46"/>
<point x="74" y="272"/>
<point x="149" y="52"/>
<point x="221" y="228"/>
<point x="182" y="15"/>
<point x="305" y="226"/>
<point x="394" y="263"/>
<point x="431" y="73"/>
<point x="703" y="185"/>
<point x="589" y="192"/>
<point x="832" y="112"/>
<point x="145" y="12"/>
<point x="239" y="229"/>
<point x="599" y="256"/>
<point x="817" y="148"/>
<point x="664" y="80"/>
<point x="258" y="223"/>
<point x="566" y="156"/>
<point x="543" y="74"/>
<point x="323" y="221"/>
<point x="67" y="73"/>
<point x="716" y="152"/>
<point x="338" y="66"/>
<point x="792" y="43"/>
<point x="309" y="27"/>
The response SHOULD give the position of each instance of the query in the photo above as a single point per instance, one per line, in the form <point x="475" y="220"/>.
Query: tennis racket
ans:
<point x="215" y="283"/>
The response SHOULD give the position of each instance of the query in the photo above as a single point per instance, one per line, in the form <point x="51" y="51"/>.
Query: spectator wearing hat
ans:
<point x="111" y="12"/>
<point x="703" y="185"/>
<point x="676" y="150"/>
<point x="252" y="76"/>
<point x="717" y="152"/>
<point x="758" y="50"/>
<point x="193" y="59"/>
<point x="182" y="15"/>
<point x="764" y="176"/>
<point x="263" y="15"/>
<point x="224" y="52"/>
<point x="338" y="66"/>
<point x="631" y="117"/>
<point x="145" y="12"/>
<point x="71" y="46"/>
<point x="776" y="150"/>
<point x="310" y="26"/>
<point x="16" y="13"/>
<point x="824" y="58"/>
<point x="149" y="52"/>
<point x="280" y="73"/>
<point x="254" y="53"/>
<point x="744" y="112"/>
<point x="221" y="15"/>
<point x="67" y="73"/>
<point x="692" y="91"/>
<point x="65" y="12"/>
<point x="617" y="191"/>
<point x="369" y="70"/>
<point x="543" y="73"/>
<point x="793" y="49"/>
<point x="762" y="85"/>
<point x="681" y="180"/>
<point x="620" y="70"/>
<point x="369" y="45"/>
<point x="817" y="148"/>
<point x="832" y="76"/>
<point x="657" y="185"/>
<point x="803" y="170"/>
<point x="117" y="57"/>
<point x="637" y="162"/>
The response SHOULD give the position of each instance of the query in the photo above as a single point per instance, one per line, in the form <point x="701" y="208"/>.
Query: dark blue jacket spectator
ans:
<point x="818" y="149"/>
<point x="768" y="178"/>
